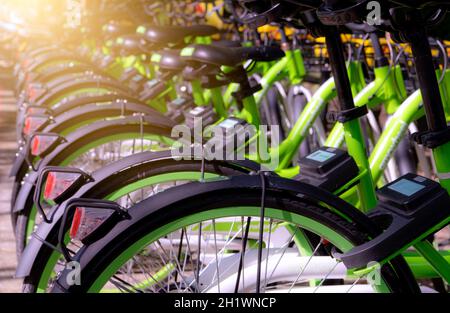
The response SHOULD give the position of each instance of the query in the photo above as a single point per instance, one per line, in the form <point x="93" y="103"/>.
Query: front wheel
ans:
<point x="205" y="237"/>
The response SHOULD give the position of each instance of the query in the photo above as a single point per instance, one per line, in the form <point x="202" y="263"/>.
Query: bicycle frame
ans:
<point x="326" y="92"/>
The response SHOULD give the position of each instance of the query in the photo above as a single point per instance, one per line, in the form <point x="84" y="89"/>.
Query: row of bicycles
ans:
<point x="234" y="146"/>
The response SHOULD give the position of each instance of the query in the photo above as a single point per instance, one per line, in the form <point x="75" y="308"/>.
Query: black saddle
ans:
<point x="113" y="30"/>
<point x="169" y="60"/>
<point x="176" y="34"/>
<point x="229" y="56"/>
<point x="131" y="44"/>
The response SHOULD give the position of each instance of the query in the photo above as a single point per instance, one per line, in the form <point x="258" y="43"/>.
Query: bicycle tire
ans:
<point x="177" y="203"/>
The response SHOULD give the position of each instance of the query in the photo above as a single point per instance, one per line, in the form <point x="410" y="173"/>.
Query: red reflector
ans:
<point x="35" y="110"/>
<point x="32" y="123"/>
<point x="86" y="221"/>
<point x="199" y="9"/>
<point x="34" y="92"/>
<point x="32" y="111"/>
<point x="76" y="222"/>
<point x="41" y="143"/>
<point x="57" y="183"/>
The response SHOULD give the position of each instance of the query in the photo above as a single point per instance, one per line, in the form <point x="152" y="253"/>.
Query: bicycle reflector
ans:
<point x="87" y="220"/>
<point x="90" y="220"/>
<point x="58" y="184"/>
<point x="36" y="110"/>
<point x="42" y="144"/>
<point x="35" y="91"/>
<point x="33" y="122"/>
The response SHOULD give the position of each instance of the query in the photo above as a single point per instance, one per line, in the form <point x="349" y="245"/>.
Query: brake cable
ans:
<point x="361" y="47"/>
<point x="397" y="59"/>
<point x="261" y="228"/>
<point x="202" y="176"/>
<point x="445" y="57"/>
<point x="244" y="246"/>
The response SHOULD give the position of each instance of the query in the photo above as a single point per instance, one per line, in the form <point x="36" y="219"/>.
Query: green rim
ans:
<point x="143" y="183"/>
<point x="335" y="238"/>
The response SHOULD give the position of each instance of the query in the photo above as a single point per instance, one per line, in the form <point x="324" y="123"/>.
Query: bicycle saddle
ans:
<point x="267" y="11"/>
<point x="113" y="30"/>
<point x="169" y="60"/>
<point x="337" y="12"/>
<point x="176" y="34"/>
<point x="229" y="56"/>
<point x="419" y="4"/>
<point x="227" y="43"/>
<point x="361" y="28"/>
<point x="130" y="44"/>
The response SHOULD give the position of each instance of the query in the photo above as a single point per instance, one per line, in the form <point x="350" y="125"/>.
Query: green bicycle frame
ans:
<point x="326" y="92"/>
<point x="291" y="66"/>
<point x="410" y="110"/>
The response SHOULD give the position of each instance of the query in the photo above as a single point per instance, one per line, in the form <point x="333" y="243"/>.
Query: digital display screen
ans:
<point x="228" y="123"/>
<point x="406" y="187"/>
<point x="179" y="101"/>
<point x="320" y="156"/>
<point x="197" y="111"/>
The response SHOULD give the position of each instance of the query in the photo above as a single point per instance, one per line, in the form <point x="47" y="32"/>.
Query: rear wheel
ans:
<point x="127" y="187"/>
<point x="209" y="242"/>
<point x="90" y="150"/>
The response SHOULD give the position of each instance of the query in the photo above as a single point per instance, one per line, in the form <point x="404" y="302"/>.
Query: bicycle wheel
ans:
<point x="89" y="148"/>
<point x="158" y="248"/>
<point x="69" y="122"/>
<point x="143" y="174"/>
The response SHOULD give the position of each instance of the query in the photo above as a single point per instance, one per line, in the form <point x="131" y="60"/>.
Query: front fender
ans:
<point x="25" y="196"/>
<point x="48" y="232"/>
<point x="36" y="246"/>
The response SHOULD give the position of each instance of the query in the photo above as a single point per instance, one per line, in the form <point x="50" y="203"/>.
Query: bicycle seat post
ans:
<point x="339" y="69"/>
<point x="427" y="80"/>
<point x="437" y="137"/>
<point x="349" y="115"/>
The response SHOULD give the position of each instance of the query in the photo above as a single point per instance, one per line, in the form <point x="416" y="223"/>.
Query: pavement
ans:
<point x="8" y="147"/>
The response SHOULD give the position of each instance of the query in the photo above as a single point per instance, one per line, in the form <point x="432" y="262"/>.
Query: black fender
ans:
<point x="65" y="69"/>
<point x="39" y="50"/>
<point x="63" y="85"/>
<point x="94" y="111"/>
<point x="144" y="211"/>
<point x="75" y="116"/>
<point x="52" y="56"/>
<point x="71" y="102"/>
<point x="53" y="72"/>
<point x="76" y="101"/>
<point x="48" y="232"/>
<point x="17" y="167"/>
<point x="23" y="198"/>
<point x="79" y="83"/>
<point x="150" y="124"/>
<point x="39" y="59"/>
